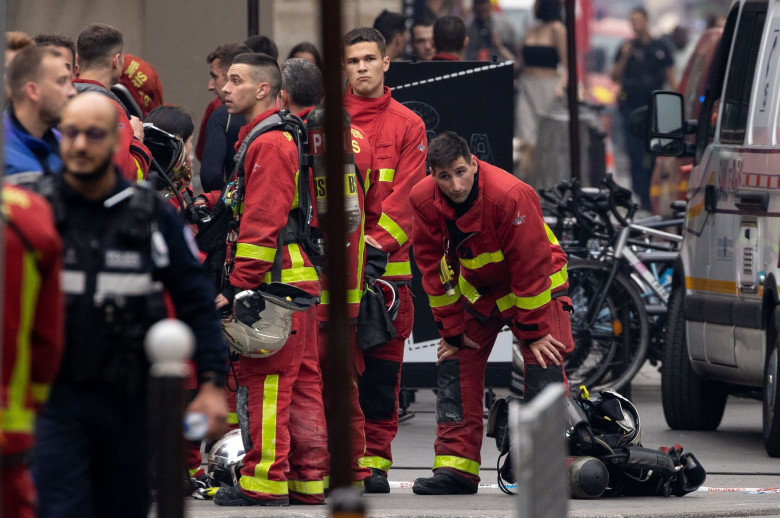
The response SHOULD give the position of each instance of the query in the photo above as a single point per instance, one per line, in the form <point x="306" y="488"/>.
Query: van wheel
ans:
<point x="690" y="402"/>
<point x="771" y="399"/>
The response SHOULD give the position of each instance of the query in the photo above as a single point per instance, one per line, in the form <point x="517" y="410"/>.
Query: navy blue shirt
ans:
<point x="217" y="162"/>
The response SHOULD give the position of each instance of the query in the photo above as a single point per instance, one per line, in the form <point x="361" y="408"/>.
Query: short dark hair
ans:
<point x="302" y="79"/>
<point x="226" y="53"/>
<point x="311" y="48"/>
<point x="449" y="34"/>
<point x="262" y="44"/>
<point x="57" y="40"/>
<point x="389" y="24"/>
<point x="446" y="149"/>
<point x="548" y="10"/>
<point x="365" y="34"/>
<point x="97" y="44"/>
<point x="26" y="68"/>
<point x="640" y="10"/>
<point x="266" y="66"/>
<point x="425" y="20"/>
<point x="173" y="119"/>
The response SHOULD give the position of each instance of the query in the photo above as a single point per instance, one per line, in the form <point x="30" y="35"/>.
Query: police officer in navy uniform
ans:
<point x="122" y="245"/>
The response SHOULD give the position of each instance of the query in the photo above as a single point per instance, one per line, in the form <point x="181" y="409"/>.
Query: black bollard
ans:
<point x="168" y="344"/>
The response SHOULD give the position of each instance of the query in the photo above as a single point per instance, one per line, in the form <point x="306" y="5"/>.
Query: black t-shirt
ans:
<point x="645" y="72"/>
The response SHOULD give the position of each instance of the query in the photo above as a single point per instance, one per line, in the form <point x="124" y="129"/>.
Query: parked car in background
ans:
<point x="670" y="176"/>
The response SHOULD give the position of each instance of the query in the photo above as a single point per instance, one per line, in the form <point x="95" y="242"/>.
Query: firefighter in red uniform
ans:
<point x="301" y="89"/>
<point x="288" y="458"/>
<point x="33" y="314"/>
<point x="399" y="141"/>
<point x="508" y="269"/>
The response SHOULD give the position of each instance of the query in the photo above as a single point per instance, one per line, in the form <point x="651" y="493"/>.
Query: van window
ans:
<point x="708" y="116"/>
<point x="739" y="82"/>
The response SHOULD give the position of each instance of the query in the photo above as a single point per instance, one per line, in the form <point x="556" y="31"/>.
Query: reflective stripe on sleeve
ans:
<point x="482" y="260"/>
<point x="386" y="175"/>
<point x="439" y="301"/>
<point x="392" y="228"/>
<point x="260" y="253"/>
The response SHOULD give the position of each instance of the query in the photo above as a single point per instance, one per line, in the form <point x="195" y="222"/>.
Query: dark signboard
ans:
<point x="472" y="98"/>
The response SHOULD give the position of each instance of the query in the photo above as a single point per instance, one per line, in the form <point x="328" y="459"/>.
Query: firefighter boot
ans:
<point x="377" y="482"/>
<point x="444" y="482"/>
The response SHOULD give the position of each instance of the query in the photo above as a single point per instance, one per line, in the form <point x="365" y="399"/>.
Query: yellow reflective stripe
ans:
<point x="398" y="268"/>
<point x="533" y="302"/>
<point x="260" y="253"/>
<point x="313" y="487"/>
<point x="192" y="471"/>
<point x="40" y="392"/>
<point x="16" y="417"/>
<point x="232" y="418"/>
<point x="439" y="301"/>
<point x="559" y="278"/>
<point x="375" y="462"/>
<point x="297" y="271"/>
<point x="295" y="199"/>
<point x="459" y="463"/>
<point x="482" y="260"/>
<point x="386" y="175"/>
<point x="259" y="482"/>
<point x="392" y="228"/>
<point x="467" y="290"/>
<point x="353" y="296"/>
<point x="139" y="172"/>
<point x="326" y="482"/>
<point x="550" y="235"/>
<point x="367" y="181"/>
<point x="506" y="302"/>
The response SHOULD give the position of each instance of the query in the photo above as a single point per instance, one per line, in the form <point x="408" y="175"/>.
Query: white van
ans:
<point x="724" y="311"/>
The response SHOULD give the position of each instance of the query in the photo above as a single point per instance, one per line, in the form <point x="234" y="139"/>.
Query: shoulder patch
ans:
<point x="16" y="197"/>
<point x="421" y="147"/>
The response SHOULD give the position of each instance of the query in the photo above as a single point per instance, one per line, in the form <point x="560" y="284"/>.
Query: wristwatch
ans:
<point x="218" y="379"/>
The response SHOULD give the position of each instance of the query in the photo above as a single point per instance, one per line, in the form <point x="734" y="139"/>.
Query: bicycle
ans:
<point x="610" y="323"/>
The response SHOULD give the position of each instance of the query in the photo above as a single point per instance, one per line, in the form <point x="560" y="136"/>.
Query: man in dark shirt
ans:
<point x="642" y="65"/>
<point x="219" y="131"/>
<point x="122" y="245"/>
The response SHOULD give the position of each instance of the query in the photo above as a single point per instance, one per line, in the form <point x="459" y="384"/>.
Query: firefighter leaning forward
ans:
<point x="508" y="268"/>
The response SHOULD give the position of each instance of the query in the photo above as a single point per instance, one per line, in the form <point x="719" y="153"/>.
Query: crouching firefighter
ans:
<point x="279" y="399"/>
<point x="122" y="245"/>
<point x="487" y="260"/>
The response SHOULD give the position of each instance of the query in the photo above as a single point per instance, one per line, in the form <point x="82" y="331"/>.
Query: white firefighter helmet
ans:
<point x="224" y="457"/>
<point x="261" y="320"/>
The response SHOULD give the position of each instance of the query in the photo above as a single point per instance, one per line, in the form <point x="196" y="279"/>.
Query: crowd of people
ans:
<point x="105" y="236"/>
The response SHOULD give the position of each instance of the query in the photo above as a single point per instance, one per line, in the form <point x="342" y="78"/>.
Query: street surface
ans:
<point x="733" y="457"/>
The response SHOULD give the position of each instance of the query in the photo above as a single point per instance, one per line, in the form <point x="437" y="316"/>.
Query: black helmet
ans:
<point x="171" y="158"/>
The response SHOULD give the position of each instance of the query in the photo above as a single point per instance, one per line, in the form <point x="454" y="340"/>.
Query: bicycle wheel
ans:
<point x="609" y="351"/>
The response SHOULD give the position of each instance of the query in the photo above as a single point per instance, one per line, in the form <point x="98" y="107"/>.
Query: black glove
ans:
<point x="376" y="262"/>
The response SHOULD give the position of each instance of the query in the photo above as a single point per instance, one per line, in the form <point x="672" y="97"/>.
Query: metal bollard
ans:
<point x="168" y="344"/>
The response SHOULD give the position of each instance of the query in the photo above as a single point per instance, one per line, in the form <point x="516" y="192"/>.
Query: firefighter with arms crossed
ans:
<point x="508" y="269"/>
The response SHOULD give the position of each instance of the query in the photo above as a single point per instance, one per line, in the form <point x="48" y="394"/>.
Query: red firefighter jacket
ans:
<point x="33" y="314"/>
<point x="509" y="258"/>
<point x="270" y="193"/>
<point x="400" y="145"/>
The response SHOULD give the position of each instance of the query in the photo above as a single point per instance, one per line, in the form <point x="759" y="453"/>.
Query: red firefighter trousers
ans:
<point x="379" y="386"/>
<point x="461" y="385"/>
<point x="286" y="419"/>
<point x="357" y="435"/>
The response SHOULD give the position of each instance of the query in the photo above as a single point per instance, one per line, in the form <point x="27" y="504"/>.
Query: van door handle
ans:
<point x="752" y="201"/>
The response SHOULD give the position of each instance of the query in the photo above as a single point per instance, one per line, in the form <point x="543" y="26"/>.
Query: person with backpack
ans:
<point x="269" y="249"/>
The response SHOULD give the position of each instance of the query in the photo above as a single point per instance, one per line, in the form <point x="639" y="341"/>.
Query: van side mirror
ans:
<point x="666" y="124"/>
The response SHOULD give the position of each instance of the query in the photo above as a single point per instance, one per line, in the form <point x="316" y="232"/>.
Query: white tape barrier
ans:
<point x="744" y="490"/>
